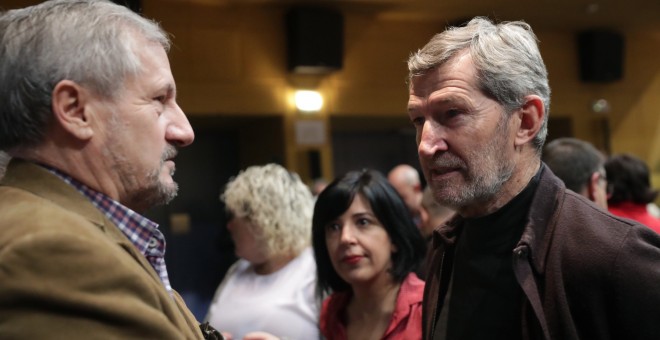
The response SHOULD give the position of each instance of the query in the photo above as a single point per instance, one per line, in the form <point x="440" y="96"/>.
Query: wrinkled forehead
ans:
<point x="460" y="67"/>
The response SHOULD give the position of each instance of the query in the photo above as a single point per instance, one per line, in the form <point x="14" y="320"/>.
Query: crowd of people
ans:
<point x="510" y="239"/>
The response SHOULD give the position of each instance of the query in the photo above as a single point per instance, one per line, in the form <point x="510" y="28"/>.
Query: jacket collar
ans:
<point x="541" y="218"/>
<point x="41" y="182"/>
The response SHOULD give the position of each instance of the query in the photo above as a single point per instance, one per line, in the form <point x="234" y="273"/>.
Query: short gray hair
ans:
<point x="277" y="202"/>
<point x="90" y="42"/>
<point x="507" y="59"/>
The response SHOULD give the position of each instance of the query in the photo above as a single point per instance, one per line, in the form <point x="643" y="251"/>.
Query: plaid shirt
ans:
<point x="142" y="232"/>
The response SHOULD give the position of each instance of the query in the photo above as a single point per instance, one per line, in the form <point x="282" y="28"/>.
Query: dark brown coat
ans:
<point x="585" y="273"/>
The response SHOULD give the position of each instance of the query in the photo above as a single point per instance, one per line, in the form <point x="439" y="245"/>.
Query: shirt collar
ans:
<point x="141" y="231"/>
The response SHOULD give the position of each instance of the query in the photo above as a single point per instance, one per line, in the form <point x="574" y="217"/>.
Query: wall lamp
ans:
<point x="308" y="101"/>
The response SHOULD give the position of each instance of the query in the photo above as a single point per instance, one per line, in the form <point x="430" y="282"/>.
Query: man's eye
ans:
<point x="452" y="113"/>
<point x="161" y="99"/>
<point x="418" y="121"/>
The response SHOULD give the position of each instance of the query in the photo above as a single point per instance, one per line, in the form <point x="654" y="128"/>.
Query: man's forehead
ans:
<point x="459" y="68"/>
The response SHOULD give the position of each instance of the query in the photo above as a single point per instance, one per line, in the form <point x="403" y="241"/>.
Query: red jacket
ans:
<point x="406" y="322"/>
<point x="584" y="273"/>
<point x="635" y="212"/>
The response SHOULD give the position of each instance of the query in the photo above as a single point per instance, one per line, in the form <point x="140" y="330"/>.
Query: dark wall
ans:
<point x="376" y="148"/>
<point x="197" y="259"/>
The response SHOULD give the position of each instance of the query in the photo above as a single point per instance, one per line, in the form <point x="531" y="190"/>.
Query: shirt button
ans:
<point x="153" y="242"/>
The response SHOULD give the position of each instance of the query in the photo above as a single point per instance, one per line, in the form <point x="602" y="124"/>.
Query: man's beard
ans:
<point x="485" y="171"/>
<point x="149" y="191"/>
<point x="160" y="193"/>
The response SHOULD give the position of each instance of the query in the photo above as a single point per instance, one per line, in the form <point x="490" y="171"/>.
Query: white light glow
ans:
<point x="308" y="101"/>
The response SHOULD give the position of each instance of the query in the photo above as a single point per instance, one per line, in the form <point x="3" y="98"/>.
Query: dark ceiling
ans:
<point x="547" y="14"/>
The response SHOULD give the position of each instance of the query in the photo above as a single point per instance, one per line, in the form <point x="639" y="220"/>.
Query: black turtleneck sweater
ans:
<point x="485" y="297"/>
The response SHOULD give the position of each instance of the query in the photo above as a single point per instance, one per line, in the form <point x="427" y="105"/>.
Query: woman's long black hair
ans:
<point x="387" y="206"/>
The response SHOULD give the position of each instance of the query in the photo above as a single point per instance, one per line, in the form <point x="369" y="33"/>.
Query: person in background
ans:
<point x="525" y="258"/>
<point x="580" y="165"/>
<point x="90" y="119"/>
<point x="271" y="287"/>
<point x="405" y="179"/>
<point x="629" y="179"/>
<point x="318" y="185"/>
<point x="367" y="249"/>
<point x="4" y="160"/>
<point x="433" y="213"/>
<point x="653" y="209"/>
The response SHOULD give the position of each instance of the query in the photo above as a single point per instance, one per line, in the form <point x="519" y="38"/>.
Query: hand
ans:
<point x="260" y="336"/>
<point x="227" y="336"/>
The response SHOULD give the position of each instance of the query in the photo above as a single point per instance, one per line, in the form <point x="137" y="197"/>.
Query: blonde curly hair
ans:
<point x="278" y="205"/>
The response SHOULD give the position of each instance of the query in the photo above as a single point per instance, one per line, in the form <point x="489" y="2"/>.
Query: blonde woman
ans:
<point x="271" y="287"/>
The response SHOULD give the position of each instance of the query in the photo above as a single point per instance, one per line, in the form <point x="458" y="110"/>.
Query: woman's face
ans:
<point x="245" y="243"/>
<point x="359" y="247"/>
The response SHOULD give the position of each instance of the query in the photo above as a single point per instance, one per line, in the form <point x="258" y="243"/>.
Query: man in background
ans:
<point x="405" y="179"/>
<point x="90" y="119"/>
<point x="580" y="165"/>
<point x="4" y="160"/>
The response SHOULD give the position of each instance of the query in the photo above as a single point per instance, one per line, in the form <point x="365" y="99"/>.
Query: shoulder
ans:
<point x="304" y="260"/>
<point x="411" y="292"/>
<point x="412" y="284"/>
<point x="592" y="239"/>
<point x="335" y="303"/>
<point x="300" y="271"/>
<point x="332" y="311"/>
<point x="239" y="269"/>
<point x="582" y="218"/>
<point x="23" y="214"/>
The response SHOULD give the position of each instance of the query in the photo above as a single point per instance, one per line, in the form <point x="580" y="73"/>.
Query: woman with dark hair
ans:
<point x="367" y="249"/>
<point x="631" y="192"/>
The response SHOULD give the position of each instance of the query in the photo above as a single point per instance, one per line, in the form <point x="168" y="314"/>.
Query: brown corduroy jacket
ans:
<point x="585" y="274"/>
<point x="67" y="272"/>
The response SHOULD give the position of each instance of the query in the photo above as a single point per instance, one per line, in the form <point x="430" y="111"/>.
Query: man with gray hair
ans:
<point x="580" y="166"/>
<point x="525" y="258"/>
<point x="90" y="119"/>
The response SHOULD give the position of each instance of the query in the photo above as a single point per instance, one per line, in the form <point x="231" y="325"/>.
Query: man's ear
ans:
<point x="70" y="110"/>
<point x="592" y="186"/>
<point x="532" y="114"/>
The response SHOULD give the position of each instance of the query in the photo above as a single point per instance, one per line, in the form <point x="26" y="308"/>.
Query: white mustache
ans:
<point x="447" y="161"/>
<point x="169" y="153"/>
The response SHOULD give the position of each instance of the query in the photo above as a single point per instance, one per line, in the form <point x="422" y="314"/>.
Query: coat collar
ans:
<point x="541" y="218"/>
<point x="41" y="182"/>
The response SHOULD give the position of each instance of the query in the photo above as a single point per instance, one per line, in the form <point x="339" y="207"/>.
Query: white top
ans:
<point x="281" y="303"/>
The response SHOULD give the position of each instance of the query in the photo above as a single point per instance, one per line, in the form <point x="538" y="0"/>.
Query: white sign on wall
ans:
<point x="310" y="132"/>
